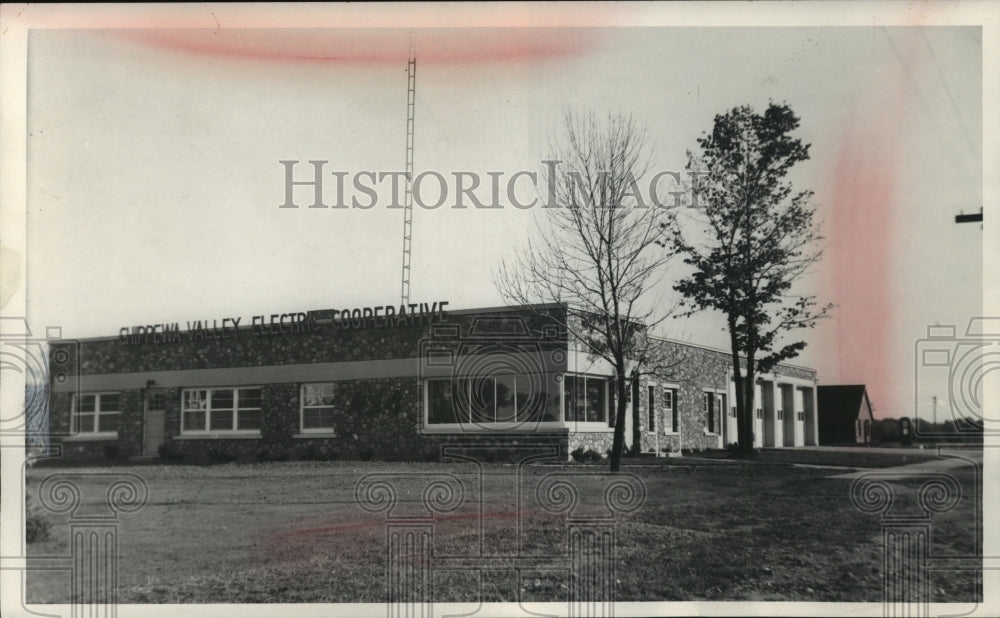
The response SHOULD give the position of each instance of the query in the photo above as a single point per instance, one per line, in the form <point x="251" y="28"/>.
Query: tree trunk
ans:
<point x="744" y="397"/>
<point x="746" y="440"/>
<point x="636" y="415"/>
<point x="618" y="444"/>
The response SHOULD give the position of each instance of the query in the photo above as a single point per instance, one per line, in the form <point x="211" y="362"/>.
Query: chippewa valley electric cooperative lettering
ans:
<point x="382" y="316"/>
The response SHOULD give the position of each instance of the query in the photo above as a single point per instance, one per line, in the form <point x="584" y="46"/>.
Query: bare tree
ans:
<point x="599" y="254"/>
<point x="759" y="240"/>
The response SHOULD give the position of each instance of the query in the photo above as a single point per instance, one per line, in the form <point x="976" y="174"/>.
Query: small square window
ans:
<point x="319" y="407"/>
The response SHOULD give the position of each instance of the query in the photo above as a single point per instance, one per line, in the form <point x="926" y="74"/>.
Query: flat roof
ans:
<point x="504" y="309"/>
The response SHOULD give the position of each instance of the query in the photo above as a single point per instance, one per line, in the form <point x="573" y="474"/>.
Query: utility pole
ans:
<point x="411" y="94"/>
<point x="934" y="409"/>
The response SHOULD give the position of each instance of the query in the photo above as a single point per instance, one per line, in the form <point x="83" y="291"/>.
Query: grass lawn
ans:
<point x="293" y="532"/>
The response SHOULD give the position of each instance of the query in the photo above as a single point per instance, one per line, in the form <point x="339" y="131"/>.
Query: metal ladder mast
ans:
<point x="411" y="83"/>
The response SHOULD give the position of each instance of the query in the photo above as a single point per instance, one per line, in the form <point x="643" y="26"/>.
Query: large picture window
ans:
<point x="319" y="412"/>
<point x="488" y="399"/>
<point x="586" y="399"/>
<point x="221" y="410"/>
<point x="96" y="413"/>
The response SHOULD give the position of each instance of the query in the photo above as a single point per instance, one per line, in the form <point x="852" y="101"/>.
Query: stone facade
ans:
<point x="330" y="344"/>
<point x="380" y="418"/>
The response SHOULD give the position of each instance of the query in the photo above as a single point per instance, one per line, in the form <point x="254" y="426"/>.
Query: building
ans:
<point x="845" y="414"/>
<point x="393" y="384"/>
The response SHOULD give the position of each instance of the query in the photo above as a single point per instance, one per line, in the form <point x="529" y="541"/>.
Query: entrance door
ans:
<point x="153" y="431"/>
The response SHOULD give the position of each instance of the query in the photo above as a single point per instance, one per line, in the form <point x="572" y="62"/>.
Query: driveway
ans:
<point x="949" y="461"/>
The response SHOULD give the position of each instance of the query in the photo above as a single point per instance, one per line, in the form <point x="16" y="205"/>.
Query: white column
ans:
<point x="798" y="427"/>
<point x="814" y="438"/>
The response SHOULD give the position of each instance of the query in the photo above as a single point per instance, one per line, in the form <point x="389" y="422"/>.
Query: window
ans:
<point x="760" y="413"/>
<point x="652" y="409"/>
<point x="318" y="411"/>
<point x="96" y="413"/>
<point x="781" y="414"/>
<point x="486" y="399"/>
<point x="670" y="407"/>
<point x="218" y="410"/>
<point x="156" y="402"/>
<point x="801" y="415"/>
<point x="708" y="400"/>
<point x="586" y="399"/>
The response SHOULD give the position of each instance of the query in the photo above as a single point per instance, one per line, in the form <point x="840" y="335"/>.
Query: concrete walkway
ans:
<point x="924" y="467"/>
<point x="930" y="450"/>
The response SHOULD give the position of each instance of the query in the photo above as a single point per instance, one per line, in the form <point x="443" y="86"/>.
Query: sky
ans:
<point x="154" y="181"/>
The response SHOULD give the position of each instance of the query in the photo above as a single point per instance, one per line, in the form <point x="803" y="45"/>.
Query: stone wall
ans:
<point x="693" y="369"/>
<point x="599" y="442"/>
<point x="380" y="418"/>
<point x="332" y="343"/>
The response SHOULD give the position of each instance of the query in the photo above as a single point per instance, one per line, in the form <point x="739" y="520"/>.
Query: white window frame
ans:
<point x="674" y="412"/>
<point x="711" y="396"/>
<point x="608" y="401"/>
<point x="469" y="423"/>
<point x="97" y="413"/>
<point x="721" y="404"/>
<point x="331" y="431"/>
<point x="207" y="431"/>
<point x="526" y="426"/>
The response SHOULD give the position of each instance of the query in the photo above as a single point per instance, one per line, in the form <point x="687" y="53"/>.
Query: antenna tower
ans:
<point x="411" y="92"/>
